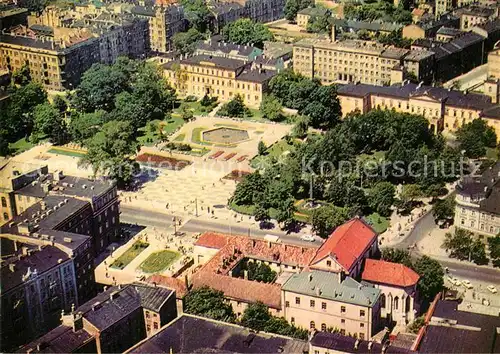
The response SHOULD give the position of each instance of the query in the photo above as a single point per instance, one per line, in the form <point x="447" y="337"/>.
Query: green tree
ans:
<point x="301" y="127"/>
<point x="408" y="195"/>
<point x="262" y="213"/>
<point x="320" y="24"/>
<point x="444" y="209"/>
<point x="185" y="42"/>
<point x="111" y="150"/>
<point x="494" y="247"/>
<point x="475" y="137"/>
<point x="245" y="31"/>
<point x="60" y="104"/>
<point x="294" y="6"/>
<point x="397" y="255"/>
<point x="197" y="14"/>
<point x="4" y="143"/>
<point x="382" y="198"/>
<point x="209" y="303"/>
<point x="261" y="148"/>
<point x="249" y="190"/>
<point x="234" y="108"/>
<point x="21" y="76"/>
<point x="271" y="108"/>
<point x="431" y="277"/>
<point x="325" y="219"/>
<point x="256" y="316"/>
<point x="186" y="114"/>
<point x="478" y="252"/>
<point x="85" y="125"/>
<point x="48" y="123"/>
<point x="285" y="214"/>
<point x="459" y="243"/>
<point x="418" y="323"/>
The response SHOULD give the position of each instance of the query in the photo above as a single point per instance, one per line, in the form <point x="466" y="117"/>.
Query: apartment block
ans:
<point x="444" y="6"/>
<point x="225" y="13"/>
<point x="111" y="322"/>
<point x="218" y="76"/>
<point x="37" y="283"/>
<point x="356" y="61"/>
<point x="478" y="202"/>
<point x="262" y="10"/>
<point x="445" y="109"/>
<point x="494" y="64"/>
<point x="11" y="15"/>
<point x="427" y="27"/>
<point x="305" y="15"/>
<point x="475" y="14"/>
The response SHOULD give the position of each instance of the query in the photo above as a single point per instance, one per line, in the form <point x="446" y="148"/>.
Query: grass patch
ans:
<point x="180" y="137"/>
<point x="158" y="261"/>
<point x="274" y="151"/>
<point x="130" y="254"/>
<point x="167" y="128"/>
<point x="492" y="154"/>
<point x="378" y="222"/>
<point x="195" y="107"/>
<point x="20" y="146"/>
<point x="66" y="152"/>
<point x="196" y="136"/>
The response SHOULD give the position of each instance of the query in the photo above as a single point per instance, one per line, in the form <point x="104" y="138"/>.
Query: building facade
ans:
<point x="37" y="283"/>
<point x="220" y="77"/>
<point x="478" y="203"/>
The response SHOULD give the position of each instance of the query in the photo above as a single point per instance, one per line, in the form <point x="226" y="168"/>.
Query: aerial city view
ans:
<point x="250" y="176"/>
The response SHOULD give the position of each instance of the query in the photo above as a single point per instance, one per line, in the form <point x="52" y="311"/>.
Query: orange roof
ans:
<point x="240" y="289"/>
<point x="212" y="240"/>
<point x="168" y="282"/>
<point x="418" y="12"/>
<point x="347" y="243"/>
<point x="389" y="273"/>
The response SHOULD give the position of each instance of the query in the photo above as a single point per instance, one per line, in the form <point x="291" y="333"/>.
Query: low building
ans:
<point x="193" y="334"/>
<point x="224" y="78"/>
<point x="446" y="34"/>
<point x="478" y="202"/>
<point x="428" y="27"/>
<point x="216" y="47"/>
<point x="399" y="300"/>
<point x="322" y="300"/>
<point x="37" y="283"/>
<point x="179" y="286"/>
<point x="112" y="322"/>
<point x="445" y="109"/>
<point x="474" y="15"/>
<point x="372" y="28"/>
<point x="305" y="15"/>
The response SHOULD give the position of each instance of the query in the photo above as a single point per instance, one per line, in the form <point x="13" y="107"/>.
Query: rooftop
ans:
<point x="313" y="11"/>
<point x="61" y="339"/>
<point x="389" y="273"/>
<point x="16" y="270"/>
<point x="213" y="46"/>
<point x="370" y="26"/>
<point x="344" y="344"/>
<point x="178" y="285"/>
<point x="327" y="285"/>
<point x="210" y="61"/>
<point x="12" y="172"/>
<point x="449" y="31"/>
<point x="191" y="334"/>
<point x="347" y="243"/>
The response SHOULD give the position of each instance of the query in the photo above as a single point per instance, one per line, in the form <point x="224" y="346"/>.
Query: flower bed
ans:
<point x="216" y="155"/>
<point x="236" y="175"/>
<point x="159" y="161"/>
<point x="229" y="156"/>
<point x="241" y="158"/>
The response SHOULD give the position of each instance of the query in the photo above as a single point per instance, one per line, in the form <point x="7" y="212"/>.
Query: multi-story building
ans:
<point x="491" y="32"/>
<point x="112" y="322"/>
<point x="322" y="300"/>
<point x="398" y="284"/>
<point x="215" y="47"/>
<point x="355" y="61"/>
<point x="494" y="64"/>
<point x="165" y="20"/>
<point x="428" y="27"/>
<point x="218" y="76"/>
<point x="475" y="15"/>
<point x="262" y="10"/>
<point x="11" y="15"/>
<point x="445" y="109"/>
<point x="225" y="13"/>
<point x="305" y="15"/>
<point x="478" y="202"/>
<point x="444" y="6"/>
<point x="446" y="34"/>
<point x="37" y="283"/>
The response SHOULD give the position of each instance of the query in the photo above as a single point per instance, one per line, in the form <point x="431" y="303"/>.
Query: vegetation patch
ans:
<point x="236" y="175"/>
<point x="20" y="146"/>
<point x="129" y="255"/>
<point x="66" y="152"/>
<point x="159" y="161"/>
<point x="159" y="261"/>
<point x="377" y="222"/>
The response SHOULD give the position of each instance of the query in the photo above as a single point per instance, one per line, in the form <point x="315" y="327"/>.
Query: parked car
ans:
<point x="467" y="284"/>
<point x="309" y="238"/>
<point x="492" y="289"/>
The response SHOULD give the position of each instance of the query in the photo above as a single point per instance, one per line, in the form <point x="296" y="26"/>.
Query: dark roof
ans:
<point x="449" y="31"/>
<point x="35" y="262"/>
<point x="206" y="60"/>
<point x="313" y="11"/>
<point x="430" y="22"/>
<point x="190" y="334"/>
<point x="227" y="48"/>
<point x="491" y="26"/>
<point x="143" y="11"/>
<point x="485" y="189"/>
<point x="370" y="26"/>
<point x="344" y="344"/>
<point x="493" y="112"/>
<point x="27" y="42"/>
<point x="476" y="10"/>
<point x="152" y="298"/>
<point x="458" y="338"/>
<point x="61" y="339"/>
<point x="451" y="97"/>
<point x="256" y="75"/>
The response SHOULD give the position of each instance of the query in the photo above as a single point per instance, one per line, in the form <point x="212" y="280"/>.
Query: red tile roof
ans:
<point x="240" y="289"/>
<point x="215" y="273"/>
<point x="171" y="283"/>
<point x="212" y="240"/>
<point x="347" y="243"/>
<point x="389" y="273"/>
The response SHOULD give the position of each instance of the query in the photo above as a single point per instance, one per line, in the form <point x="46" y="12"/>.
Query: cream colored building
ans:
<point x="221" y="77"/>
<point x="478" y="203"/>
<point x="322" y="300"/>
<point x="305" y="15"/>
<point x="494" y="64"/>
<point x="350" y="61"/>
<point x="445" y="110"/>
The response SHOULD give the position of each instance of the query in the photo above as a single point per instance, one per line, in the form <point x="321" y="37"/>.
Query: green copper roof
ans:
<point x="348" y="291"/>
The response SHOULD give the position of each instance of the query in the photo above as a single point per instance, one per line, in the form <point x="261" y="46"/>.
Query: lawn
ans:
<point x="379" y="223"/>
<point x="67" y="152"/>
<point x="129" y="255"/>
<point x="20" y="146"/>
<point x="196" y="136"/>
<point x="180" y="137"/>
<point x="195" y="107"/>
<point x="274" y="151"/>
<point x="167" y="127"/>
<point x="158" y="261"/>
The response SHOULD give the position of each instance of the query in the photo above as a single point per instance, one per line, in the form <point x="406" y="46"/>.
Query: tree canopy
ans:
<point x="462" y="245"/>
<point x="210" y="303"/>
<point x="245" y="31"/>
<point x="197" y="14"/>
<point x="475" y="137"/>
<point x="294" y="6"/>
<point x="184" y="42"/>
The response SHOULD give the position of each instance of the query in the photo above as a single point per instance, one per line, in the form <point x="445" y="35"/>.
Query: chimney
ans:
<point x="318" y="291"/>
<point x="253" y="243"/>
<point x="24" y="250"/>
<point x="356" y="344"/>
<point x="269" y="244"/>
<point x="12" y="267"/>
<point x="186" y="281"/>
<point x="310" y="277"/>
<point x="370" y="345"/>
<point x="245" y="274"/>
